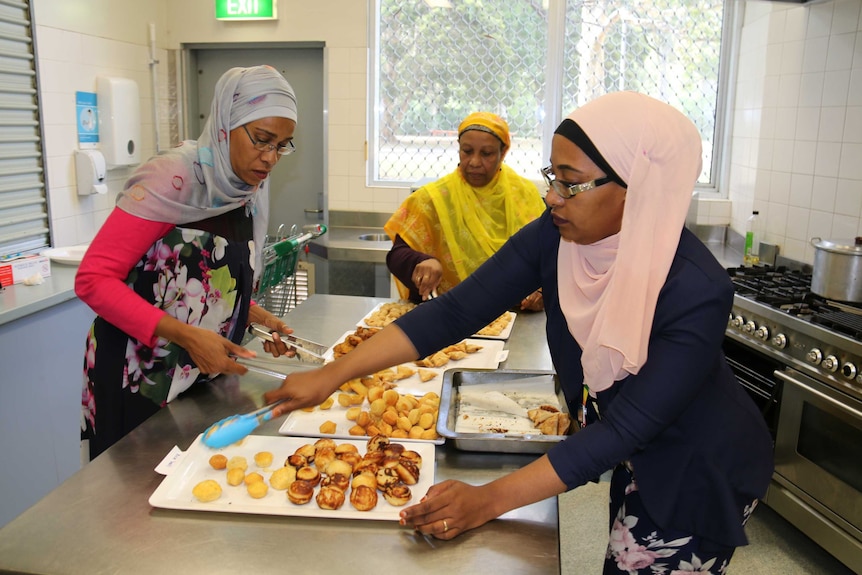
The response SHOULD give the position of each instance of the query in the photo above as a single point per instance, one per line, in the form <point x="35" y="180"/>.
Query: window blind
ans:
<point x="23" y="206"/>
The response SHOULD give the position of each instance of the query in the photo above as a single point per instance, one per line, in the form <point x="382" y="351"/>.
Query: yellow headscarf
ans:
<point x="487" y="122"/>
<point x="463" y="226"/>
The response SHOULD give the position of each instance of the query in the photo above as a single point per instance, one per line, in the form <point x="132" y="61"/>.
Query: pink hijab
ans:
<point x="608" y="290"/>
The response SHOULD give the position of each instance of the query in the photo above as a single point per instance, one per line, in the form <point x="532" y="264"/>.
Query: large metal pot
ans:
<point x="837" y="270"/>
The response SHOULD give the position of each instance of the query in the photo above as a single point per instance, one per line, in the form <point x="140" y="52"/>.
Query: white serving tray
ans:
<point x="189" y="468"/>
<point x="503" y="335"/>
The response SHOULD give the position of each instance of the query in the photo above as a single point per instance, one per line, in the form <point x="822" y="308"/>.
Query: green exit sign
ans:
<point x="245" y="10"/>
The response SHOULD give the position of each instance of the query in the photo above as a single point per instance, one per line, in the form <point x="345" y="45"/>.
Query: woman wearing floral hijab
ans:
<point x="171" y="271"/>
<point x="636" y="312"/>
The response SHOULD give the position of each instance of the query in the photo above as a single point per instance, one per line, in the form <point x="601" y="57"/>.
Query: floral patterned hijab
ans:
<point x="194" y="181"/>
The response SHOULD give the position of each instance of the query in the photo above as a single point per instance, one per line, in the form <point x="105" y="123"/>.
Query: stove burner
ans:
<point x="790" y="292"/>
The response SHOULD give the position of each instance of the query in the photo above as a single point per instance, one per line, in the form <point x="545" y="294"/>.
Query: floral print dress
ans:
<point x="201" y="275"/>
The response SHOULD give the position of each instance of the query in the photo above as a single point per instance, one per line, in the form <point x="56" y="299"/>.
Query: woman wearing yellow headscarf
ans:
<point x="446" y="229"/>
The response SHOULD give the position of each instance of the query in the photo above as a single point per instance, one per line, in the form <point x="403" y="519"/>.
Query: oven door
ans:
<point x="818" y="455"/>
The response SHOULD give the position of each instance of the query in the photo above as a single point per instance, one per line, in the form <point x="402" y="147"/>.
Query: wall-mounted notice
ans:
<point x="86" y="106"/>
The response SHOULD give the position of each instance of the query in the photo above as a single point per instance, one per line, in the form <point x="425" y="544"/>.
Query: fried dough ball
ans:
<point x="337" y="480"/>
<point x="328" y="427"/>
<point x="253" y="477"/>
<point x="300" y="492"/>
<point x="296" y="460"/>
<point x="366" y="465"/>
<point x="387" y="477"/>
<point x="397" y="495"/>
<point x="412" y="457"/>
<point x="282" y="478"/>
<point x="343" y="448"/>
<point x="263" y="459"/>
<point x="330" y="498"/>
<point x="377" y="443"/>
<point x="308" y="473"/>
<point x="238" y="462"/>
<point x="218" y="461"/>
<point x="324" y="442"/>
<point x="407" y="472"/>
<point x="257" y="489"/>
<point x="393" y="449"/>
<point x="306" y="451"/>
<point x="351" y="459"/>
<point x="374" y="456"/>
<point x="323" y="457"/>
<point x="207" y="490"/>
<point x="363" y="498"/>
<point x="235" y="475"/>
<point x="365" y="479"/>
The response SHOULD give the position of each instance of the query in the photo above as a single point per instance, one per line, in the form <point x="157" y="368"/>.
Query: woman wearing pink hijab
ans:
<point x="636" y="312"/>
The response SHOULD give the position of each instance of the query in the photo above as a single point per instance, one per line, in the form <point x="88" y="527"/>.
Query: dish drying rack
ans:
<point x="277" y="288"/>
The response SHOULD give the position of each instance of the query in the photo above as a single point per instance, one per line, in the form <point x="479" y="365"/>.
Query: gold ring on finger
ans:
<point x="445" y="526"/>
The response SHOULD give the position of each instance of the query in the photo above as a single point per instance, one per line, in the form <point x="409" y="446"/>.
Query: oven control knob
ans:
<point x="830" y="363"/>
<point x="762" y="333"/>
<point x="848" y="370"/>
<point x="814" y="356"/>
<point x="737" y="322"/>
<point x="779" y="341"/>
<point x="749" y="327"/>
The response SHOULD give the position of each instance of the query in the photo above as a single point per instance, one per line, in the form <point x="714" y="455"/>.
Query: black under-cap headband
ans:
<point x="570" y="130"/>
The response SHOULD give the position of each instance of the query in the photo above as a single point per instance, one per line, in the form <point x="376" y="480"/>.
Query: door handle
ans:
<point x="307" y="211"/>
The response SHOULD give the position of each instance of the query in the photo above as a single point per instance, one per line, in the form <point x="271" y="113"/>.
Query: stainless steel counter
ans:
<point x="21" y="300"/>
<point x="344" y="244"/>
<point x="100" y="521"/>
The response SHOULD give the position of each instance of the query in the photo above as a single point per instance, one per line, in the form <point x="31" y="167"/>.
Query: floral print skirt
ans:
<point x="639" y="546"/>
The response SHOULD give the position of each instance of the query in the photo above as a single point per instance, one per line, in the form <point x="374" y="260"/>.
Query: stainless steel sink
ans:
<point x="374" y="238"/>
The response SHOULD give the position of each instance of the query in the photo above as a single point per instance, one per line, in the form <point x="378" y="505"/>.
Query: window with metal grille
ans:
<point x="23" y="207"/>
<point x="532" y="62"/>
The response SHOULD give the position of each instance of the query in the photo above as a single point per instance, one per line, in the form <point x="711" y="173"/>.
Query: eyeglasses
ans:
<point x="266" y="147"/>
<point x="566" y="190"/>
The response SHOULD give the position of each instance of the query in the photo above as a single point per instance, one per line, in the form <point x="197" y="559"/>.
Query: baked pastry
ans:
<point x="307" y="451"/>
<point x="237" y="461"/>
<point x="300" y="492"/>
<point x="387" y="476"/>
<point x="258" y="489"/>
<point x="308" y="473"/>
<point x="366" y="466"/>
<point x="329" y="427"/>
<point x="374" y="457"/>
<point x="377" y="443"/>
<point x="282" y="478"/>
<point x="296" y="460"/>
<point x="367" y="479"/>
<point x="263" y="459"/>
<point x="252" y="477"/>
<point x="325" y="442"/>
<point x="393" y="449"/>
<point x="337" y="480"/>
<point x="323" y="457"/>
<point x="235" y="475"/>
<point x="397" y="494"/>
<point x="363" y="498"/>
<point x="351" y="459"/>
<point x="338" y="466"/>
<point x="412" y="457"/>
<point x="343" y="448"/>
<point x="426" y="375"/>
<point x="330" y="498"/>
<point x="218" y="461"/>
<point x="407" y="472"/>
<point x="207" y="490"/>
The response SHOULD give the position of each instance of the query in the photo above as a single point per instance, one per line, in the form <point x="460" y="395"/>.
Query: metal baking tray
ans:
<point x="455" y="379"/>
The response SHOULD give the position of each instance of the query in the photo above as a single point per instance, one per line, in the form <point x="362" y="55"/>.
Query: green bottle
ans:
<point x="750" y="255"/>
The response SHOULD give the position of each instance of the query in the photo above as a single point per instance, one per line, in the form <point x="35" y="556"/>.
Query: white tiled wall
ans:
<point x="797" y="134"/>
<point x="76" y="41"/>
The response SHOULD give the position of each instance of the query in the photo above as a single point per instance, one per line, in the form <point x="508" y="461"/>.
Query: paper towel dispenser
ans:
<point x="90" y="172"/>
<point x="119" y="120"/>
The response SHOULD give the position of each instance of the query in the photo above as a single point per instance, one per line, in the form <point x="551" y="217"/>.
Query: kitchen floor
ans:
<point x="775" y="546"/>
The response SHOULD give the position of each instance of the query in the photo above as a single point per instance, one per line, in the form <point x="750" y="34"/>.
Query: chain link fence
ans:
<point x="436" y="65"/>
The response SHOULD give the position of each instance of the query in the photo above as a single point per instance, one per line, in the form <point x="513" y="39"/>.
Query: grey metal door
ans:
<point x="297" y="192"/>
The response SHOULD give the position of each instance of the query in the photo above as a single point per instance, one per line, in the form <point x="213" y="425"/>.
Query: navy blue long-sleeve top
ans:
<point x="699" y="447"/>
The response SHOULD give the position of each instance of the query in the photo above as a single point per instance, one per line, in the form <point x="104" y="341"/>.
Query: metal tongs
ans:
<point x="306" y="350"/>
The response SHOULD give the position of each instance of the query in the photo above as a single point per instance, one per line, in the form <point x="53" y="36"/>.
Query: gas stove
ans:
<point x="775" y="312"/>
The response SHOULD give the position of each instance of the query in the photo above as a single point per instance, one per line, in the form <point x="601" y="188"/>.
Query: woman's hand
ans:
<point x="301" y="389"/>
<point x="276" y="326"/>
<point x="533" y="302"/>
<point x="426" y="276"/>
<point x="449" y="509"/>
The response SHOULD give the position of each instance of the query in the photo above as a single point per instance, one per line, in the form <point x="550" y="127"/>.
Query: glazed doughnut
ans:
<point x="308" y="473"/>
<point x="300" y="492"/>
<point x="330" y="498"/>
<point x="408" y="472"/>
<point x="218" y="461"/>
<point x="297" y="460"/>
<point x="412" y="457"/>
<point x="282" y="478"/>
<point x="363" y="498"/>
<point x="338" y="466"/>
<point x="377" y="443"/>
<point x="337" y="480"/>
<point x="207" y="490"/>
<point x="263" y="459"/>
<point x="397" y="495"/>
